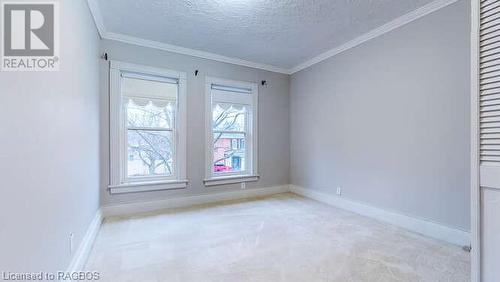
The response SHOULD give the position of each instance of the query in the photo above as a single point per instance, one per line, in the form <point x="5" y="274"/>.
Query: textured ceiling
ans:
<point x="283" y="33"/>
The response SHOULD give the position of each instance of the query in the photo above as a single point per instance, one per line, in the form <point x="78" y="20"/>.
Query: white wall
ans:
<point x="273" y="119"/>
<point x="49" y="128"/>
<point x="387" y="121"/>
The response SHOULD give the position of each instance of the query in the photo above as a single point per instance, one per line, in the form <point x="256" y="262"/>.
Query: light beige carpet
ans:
<point x="279" y="238"/>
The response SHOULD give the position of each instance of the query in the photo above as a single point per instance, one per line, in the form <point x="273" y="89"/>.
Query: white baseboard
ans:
<point x="82" y="253"/>
<point x="186" y="201"/>
<point x="422" y="226"/>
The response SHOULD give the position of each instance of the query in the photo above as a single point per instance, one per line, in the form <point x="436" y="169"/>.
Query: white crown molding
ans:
<point x="188" y="201"/>
<point x="99" y="22"/>
<point x="96" y="14"/>
<point x="81" y="255"/>
<point x="190" y="52"/>
<point x="398" y="22"/>
<point x="418" y="225"/>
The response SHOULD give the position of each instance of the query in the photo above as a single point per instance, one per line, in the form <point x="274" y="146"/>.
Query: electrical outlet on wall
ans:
<point x="243" y="185"/>
<point x="339" y="191"/>
<point x="71" y="243"/>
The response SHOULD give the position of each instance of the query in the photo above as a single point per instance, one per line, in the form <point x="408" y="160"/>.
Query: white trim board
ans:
<point x="475" y="190"/>
<point x="422" y="226"/>
<point x="187" y="201"/>
<point x="398" y="22"/>
<point x="81" y="255"/>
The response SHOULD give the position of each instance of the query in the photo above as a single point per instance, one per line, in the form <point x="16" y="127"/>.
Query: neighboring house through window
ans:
<point x="231" y="124"/>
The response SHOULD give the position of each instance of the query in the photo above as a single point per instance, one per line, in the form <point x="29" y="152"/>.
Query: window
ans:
<point x="231" y="121"/>
<point x="148" y="131"/>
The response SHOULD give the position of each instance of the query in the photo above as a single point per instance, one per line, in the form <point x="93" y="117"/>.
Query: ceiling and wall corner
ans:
<point x="299" y="36"/>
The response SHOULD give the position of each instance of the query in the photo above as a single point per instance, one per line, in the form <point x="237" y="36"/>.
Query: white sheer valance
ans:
<point x="235" y="107"/>
<point x="143" y="102"/>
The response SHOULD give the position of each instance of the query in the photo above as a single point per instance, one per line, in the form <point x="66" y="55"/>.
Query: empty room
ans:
<point x="250" y="140"/>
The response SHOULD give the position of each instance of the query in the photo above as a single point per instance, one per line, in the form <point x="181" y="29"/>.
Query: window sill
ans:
<point x="230" y="179"/>
<point x="133" y="187"/>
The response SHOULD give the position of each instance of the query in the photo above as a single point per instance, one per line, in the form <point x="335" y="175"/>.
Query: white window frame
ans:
<point x="119" y="181"/>
<point x="251" y="143"/>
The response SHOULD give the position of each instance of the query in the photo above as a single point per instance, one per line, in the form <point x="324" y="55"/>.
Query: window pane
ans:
<point x="229" y="152"/>
<point x="229" y="117"/>
<point x="150" y="153"/>
<point x="150" y="113"/>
